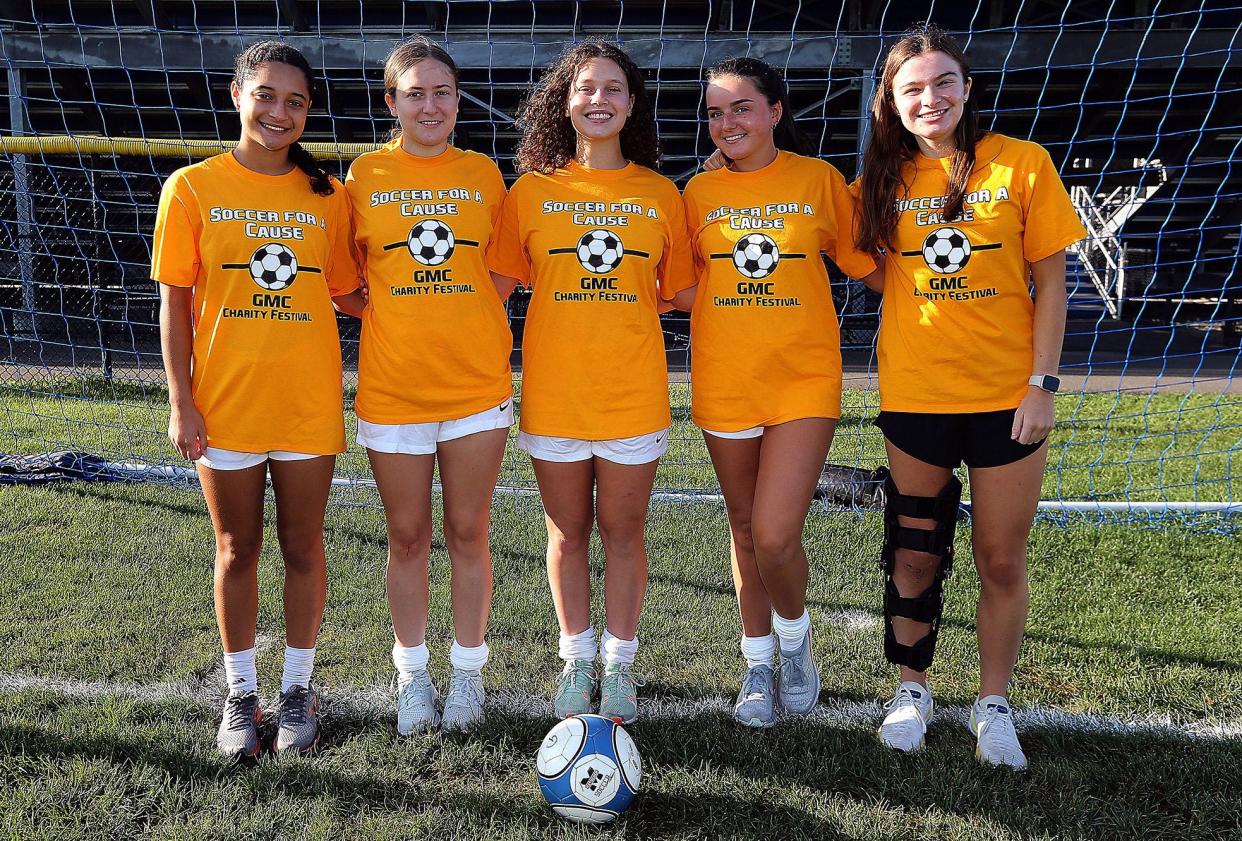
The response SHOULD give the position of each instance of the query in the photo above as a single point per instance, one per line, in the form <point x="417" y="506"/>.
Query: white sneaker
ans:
<point x="463" y="705"/>
<point x="909" y="713"/>
<point x="416" y="703"/>
<point x="991" y="720"/>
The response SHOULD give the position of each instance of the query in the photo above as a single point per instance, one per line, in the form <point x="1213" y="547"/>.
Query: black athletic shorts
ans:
<point x="980" y="439"/>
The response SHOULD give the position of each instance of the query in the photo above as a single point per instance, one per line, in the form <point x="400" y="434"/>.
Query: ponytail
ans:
<point x="320" y="182"/>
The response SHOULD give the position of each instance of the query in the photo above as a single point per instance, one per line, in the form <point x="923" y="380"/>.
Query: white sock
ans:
<point x="791" y="631"/>
<point x="579" y="646"/>
<point x="618" y="651"/>
<point x="239" y="671"/>
<point x="299" y="663"/>
<point x="409" y="659"/>
<point x="470" y="658"/>
<point x="759" y="651"/>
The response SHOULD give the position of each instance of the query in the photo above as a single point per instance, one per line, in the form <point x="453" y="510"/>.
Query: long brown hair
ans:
<point x="548" y="137"/>
<point x="890" y="146"/>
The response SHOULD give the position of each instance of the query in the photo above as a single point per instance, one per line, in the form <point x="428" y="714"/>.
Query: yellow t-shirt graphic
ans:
<point x="435" y="339"/>
<point x="767" y="348"/>
<point x="598" y="248"/>
<point x="265" y="256"/>
<point x="956" y="333"/>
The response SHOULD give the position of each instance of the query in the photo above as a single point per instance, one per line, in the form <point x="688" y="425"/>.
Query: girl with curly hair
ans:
<point x="600" y="238"/>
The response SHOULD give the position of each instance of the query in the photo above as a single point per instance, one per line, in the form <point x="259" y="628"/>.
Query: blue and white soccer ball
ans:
<point x="589" y="769"/>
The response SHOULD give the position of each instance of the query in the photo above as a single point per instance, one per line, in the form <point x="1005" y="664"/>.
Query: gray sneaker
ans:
<point x="416" y="703"/>
<point x="618" y="693"/>
<point x="798" y="685"/>
<point x="297" y="723"/>
<point x="756" y="703"/>
<point x="238" y="736"/>
<point x="575" y="690"/>
<point x="463" y="706"/>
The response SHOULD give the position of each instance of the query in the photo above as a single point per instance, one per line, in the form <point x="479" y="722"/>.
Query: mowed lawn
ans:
<point x="1110" y="446"/>
<point x="110" y="679"/>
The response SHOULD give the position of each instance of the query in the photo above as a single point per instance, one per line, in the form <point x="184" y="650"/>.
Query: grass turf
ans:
<point x="108" y="587"/>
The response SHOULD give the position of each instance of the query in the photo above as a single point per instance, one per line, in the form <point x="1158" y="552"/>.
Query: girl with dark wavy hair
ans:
<point x="766" y="371"/>
<point x="252" y="249"/>
<point x="970" y="222"/>
<point x="601" y="239"/>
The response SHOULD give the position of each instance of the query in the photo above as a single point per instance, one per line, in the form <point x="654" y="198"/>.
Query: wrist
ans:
<point x="1047" y="383"/>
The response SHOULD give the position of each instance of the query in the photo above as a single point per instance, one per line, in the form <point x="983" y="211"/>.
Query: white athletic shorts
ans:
<point x="640" y="449"/>
<point x="420" y="439"/>
<point x="753" y="432"/>
<point x="218" y="459"/>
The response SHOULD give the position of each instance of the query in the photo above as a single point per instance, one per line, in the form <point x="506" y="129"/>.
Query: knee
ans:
<point x="775" y="545"/>
<point x="468" y="539"/>
<point x="1003" y="569"/>
<point x="302" y="551"/>
<point x="236" y="556"/>
<point x="621" y="537"/>
<point x="914" y="572"/>
<point x="574" y="540"/>
<point x="743" y="537"/>
<point x="409" y="542"/>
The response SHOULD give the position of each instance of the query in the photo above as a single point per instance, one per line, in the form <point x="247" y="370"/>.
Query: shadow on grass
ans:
<point x="705" y="777"/>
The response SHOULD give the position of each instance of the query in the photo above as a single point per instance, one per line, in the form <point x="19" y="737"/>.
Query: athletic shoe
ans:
<point x="798" y="684"/>
<point x="618" y="693"/>
<point x="575" y="690"/>
<point x="416" y="703"/>
<point x="756" y="703"/>
<point x="909" y="713"/>
<point x="991" y="720"/>
<point x="238" y="736"/>
<point x="297" y="722"/>
<point x="463" y="706"/>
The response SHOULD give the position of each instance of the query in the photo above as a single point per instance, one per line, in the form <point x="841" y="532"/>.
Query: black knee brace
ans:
<point x="929" y="605"/>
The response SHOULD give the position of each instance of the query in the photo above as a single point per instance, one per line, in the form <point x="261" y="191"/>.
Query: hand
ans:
<point x="187" y="431"/>
<point x="1034" y="417"/>
<point x="715" y="160"/>
<point x="364" y="289"/>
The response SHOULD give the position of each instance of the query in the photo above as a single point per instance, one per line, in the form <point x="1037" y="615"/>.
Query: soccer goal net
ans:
<point x="1138" y="104"/>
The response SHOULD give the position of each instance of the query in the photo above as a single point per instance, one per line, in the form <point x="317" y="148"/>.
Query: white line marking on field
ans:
<point x="376" y="701"/>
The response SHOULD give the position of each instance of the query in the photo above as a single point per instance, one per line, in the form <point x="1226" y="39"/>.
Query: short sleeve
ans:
<point x="175" y="256"/>
<point x="693" y="214"/>
<point x="676" y="269"/>
<point x="839" y="236"/>
<point x="1051" y="222"/>
<point x="342" y="274"/>
<point x="495" y="187"/>
<point x="506" y="253"/>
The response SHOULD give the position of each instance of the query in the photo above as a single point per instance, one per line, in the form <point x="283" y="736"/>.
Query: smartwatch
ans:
<point x="1047" y="382"/>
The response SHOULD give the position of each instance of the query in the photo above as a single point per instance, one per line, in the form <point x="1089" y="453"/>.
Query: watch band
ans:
<point x="1047" y="382"/>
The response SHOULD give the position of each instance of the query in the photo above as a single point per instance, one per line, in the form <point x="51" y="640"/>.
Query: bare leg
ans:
<point x="469" y="468"/>
<point x="623" y="494"/>
<point x="566" y="488"/>
<point x="301" y="489"/>
<point x="404" y="483"/>
<point x="1003" y="503"/>
<point x="235" y="500"/>
<point x="737" y="467"/>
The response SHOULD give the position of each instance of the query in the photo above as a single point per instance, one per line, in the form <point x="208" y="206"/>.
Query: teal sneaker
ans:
<point x="576" y="689"/>
<point x="618" y="693"/>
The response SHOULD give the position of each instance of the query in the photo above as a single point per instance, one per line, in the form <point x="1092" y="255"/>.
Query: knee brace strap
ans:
<point x="928" y="606"/>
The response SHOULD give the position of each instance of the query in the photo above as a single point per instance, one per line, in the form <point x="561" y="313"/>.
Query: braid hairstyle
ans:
<point x="548" y="137"/>
<point x="772" y="85"/>
<point x="244" y="68"/>
<point x="890" y="146"/>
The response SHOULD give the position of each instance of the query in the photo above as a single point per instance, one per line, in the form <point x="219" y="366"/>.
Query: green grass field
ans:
<point x="1130" y="680"/>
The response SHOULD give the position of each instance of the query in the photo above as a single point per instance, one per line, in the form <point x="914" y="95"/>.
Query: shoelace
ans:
<point x="794" y="669"/>
<point x="576" y="672"/>
<point x="756" y="683"/>
<point x="420" y="681"/>
<point x="615" y="681"/>
<point x="293" y="706"/>
<point x="241" y="713"/>
<point x="901" y="699"/>
<point x="466" y="684"/>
